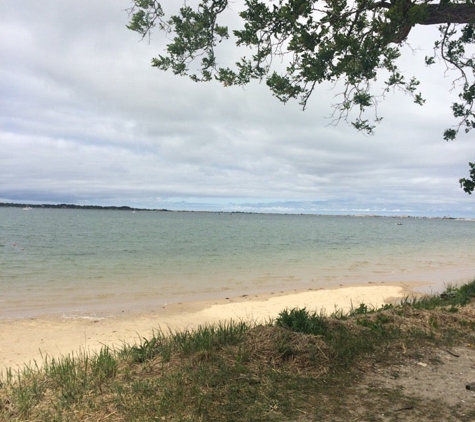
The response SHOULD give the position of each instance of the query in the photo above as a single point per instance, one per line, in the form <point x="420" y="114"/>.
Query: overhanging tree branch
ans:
<point x="350" y="42"/>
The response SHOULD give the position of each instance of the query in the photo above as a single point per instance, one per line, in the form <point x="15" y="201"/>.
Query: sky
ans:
<point x="85" y="119"/>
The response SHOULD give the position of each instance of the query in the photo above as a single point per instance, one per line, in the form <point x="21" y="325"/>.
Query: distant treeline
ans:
<point x="73" y="206"/>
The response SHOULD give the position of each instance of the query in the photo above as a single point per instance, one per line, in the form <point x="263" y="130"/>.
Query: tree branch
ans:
<point x="448" y="13"/>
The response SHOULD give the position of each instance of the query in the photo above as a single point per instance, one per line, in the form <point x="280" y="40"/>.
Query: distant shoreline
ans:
<point x="74" y="207"/>
<point x="127" y="208"/>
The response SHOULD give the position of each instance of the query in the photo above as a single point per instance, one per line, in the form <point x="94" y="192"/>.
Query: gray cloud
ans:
<point x="85" y="119"/>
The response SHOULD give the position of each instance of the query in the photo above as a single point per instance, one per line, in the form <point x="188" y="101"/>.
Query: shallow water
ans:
<point x="85" y="261"/>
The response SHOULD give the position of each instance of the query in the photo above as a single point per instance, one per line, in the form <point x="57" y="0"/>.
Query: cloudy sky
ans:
<point x="85" y="119"/>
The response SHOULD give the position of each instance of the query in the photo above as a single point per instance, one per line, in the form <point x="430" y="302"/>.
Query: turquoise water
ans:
<point x="80" y="261"/>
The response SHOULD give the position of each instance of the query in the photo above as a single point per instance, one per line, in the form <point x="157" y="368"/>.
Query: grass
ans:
<point x="304" y="366"/>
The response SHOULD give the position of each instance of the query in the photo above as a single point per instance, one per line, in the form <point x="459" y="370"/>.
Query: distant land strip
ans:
<point x="73" y="207"/>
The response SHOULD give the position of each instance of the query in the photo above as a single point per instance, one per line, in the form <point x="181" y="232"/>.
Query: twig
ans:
<point x="404" y="408"/>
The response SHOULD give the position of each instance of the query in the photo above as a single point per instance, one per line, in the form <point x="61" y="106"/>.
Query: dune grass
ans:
<point x="303" y="366"/>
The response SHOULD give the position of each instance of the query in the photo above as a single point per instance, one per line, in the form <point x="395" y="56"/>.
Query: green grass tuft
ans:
<point x="302" y="321"/>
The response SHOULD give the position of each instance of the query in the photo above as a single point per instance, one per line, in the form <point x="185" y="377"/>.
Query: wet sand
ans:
<point x="26" y="341"/>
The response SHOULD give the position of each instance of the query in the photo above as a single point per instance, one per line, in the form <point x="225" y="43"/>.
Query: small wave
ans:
<point x="85" y="317"/>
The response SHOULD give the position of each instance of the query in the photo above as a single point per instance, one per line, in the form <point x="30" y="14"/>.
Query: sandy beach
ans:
<point x="25" y="341"/>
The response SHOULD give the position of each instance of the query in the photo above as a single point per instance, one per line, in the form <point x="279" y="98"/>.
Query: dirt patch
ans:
<point x="437" y="375"/>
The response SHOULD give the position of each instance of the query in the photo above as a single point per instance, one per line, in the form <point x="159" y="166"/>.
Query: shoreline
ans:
<point x="28" y="340"/>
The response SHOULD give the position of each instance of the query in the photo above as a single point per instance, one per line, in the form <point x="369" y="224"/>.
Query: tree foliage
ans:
<point x="295" y="45"/>
<point x="468" y="185"/>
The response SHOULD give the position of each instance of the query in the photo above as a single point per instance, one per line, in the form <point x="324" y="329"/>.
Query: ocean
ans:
<point x="89" y="262"/>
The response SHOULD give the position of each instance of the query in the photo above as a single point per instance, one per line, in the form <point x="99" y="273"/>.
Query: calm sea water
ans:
<point x="87" y="261"/>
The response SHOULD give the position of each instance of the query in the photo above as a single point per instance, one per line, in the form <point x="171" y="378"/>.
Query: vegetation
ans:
<point x="468" y="185"/>
<point x="303" y="366"/>
<point x="295" y="45"/>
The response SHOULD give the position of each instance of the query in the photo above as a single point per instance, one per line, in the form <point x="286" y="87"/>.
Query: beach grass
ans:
<point x="302" y="366"/>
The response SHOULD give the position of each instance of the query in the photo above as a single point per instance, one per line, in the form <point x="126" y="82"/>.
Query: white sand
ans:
<point x="27" y="340"/>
